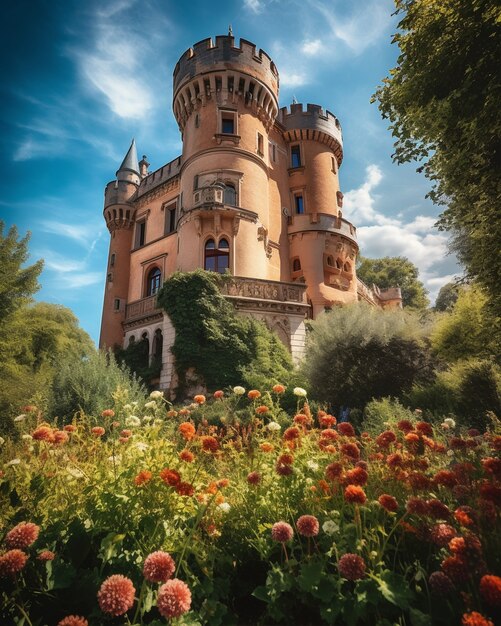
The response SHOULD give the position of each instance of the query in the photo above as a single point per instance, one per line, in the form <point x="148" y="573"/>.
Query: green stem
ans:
<point x="24" y="614"/>
<point x="139" y="601"/>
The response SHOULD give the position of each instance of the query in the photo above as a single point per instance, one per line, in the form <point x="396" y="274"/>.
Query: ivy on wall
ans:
<point x="136" y="358"/>
<point x="222" y="347"/>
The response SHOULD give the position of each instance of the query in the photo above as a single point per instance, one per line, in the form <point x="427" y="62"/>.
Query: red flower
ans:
<point x="70" y="428"/>
<point x="12" y="562"/>
<point x="463" y="515"/>
<point x="46" y="555"/>
<point x="467" y="548"/>
<point x="394" y="460"/>
<point x="416" y="506"/>
<point x="418" y="481"/>
<point x="291" y="433"/>
<point x="254" y="394"/>
<point x="445" y="478"/>
<point x="254" y="478"/>
<point x="326" y="421"/>
<point x="355" y="494"/>
<point x="301" y="419"/>
<point x="22" y="535"/>
<point x="456" y="569"/>
<point x="73" y="620"/>
<point x="385" y="439"/>
<point x="218" y="394"/>
<point x="308" y="526"/>
<point x="284" y="469"/>
<point x="405" y="426"/>
<point x="329" y="434"/>
<point x="142" y="478"/>
<point x="186" y="456"/>
<point x="170" y="477"/>
<point x="97" y="431"/>
<point x="108" y="413"/>
<point x="490" y="492"/>
<point x="285" y="459"/>
<point x="351" y="566"/>
<point x="441" y="534"/>
<point x="43" y="433"/>
<point x="333" y="471"/>
<point x="125" y="432"/>
<point x="356" y="476"/>
<point x="424" y="428"/>
<point x="475" y="619"/>
<point x="437" y="509"/>
<point x="281" y="532"/>
<point x="490" y="589"/>
<point x="158" y="567"/>
<point x="174" y="598"/>
<point x="60" y="436"/>
<point x="187" y="430"/>
<point x="440" y="584"/>
<point x="185" y="489"/>
<point x="346" y="429"/>
<point x="210" y="444"/>
<point x="492" y="465"/>
<point x="351" y="450"/>
<point x="388" y="502"/>
<point x="116" y="595"/>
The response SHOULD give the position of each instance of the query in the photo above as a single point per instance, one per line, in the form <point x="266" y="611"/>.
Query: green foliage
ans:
<point x="358" y="353"/>
<point x="467" y="330"/>
<point x="468" y="389"/>
<point x="211" y="339"/>
<point x="447" y="297"/>
<point x="136" y="358"/>
<point x="88" y="385"/>
<point x="442" y="101"/>
<point x="384" y="413"/>
<point x="394" y="272"/>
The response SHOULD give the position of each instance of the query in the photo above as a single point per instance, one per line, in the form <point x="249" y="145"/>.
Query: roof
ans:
<point x="130" y="163"/>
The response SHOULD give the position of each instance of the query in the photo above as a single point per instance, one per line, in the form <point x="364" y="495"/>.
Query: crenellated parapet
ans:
<point x="226" y="73"/>
<point x="315" y="123"/>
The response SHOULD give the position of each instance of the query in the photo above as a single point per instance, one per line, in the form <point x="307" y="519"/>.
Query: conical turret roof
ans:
<point x="130" y="163"/>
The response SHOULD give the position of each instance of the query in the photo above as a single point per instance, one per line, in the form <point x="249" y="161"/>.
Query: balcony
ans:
<point x="323" y="222"/>
<point x="253" y="294"/>
<point x="139" y="309"/>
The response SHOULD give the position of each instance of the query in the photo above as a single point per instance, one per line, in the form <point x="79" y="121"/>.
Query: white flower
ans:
<point x="273" y="427"/>
<point x="444" y="426"/>
<point x="193" y="406"/>
<point x="312" y="465"/>
<point x="75" y="472"/>
<point x="115" y="458"/>
<point x="14" y="462"/>
<point x="132" y="420"/>
<point x="150" y="405"/>
<point x="27" y="437"/>
<point x="158" y="422"/>
<point x="142" y="446"/>
<point x="238" y="391"/>
<point x="450" y="452"/>
<point x="147" y="418"/>
<point x="224" y="506"/>
<point x="330" y="528"/>
<point x="336" y="514"/>
<point x="156" y="394"/>
<point x="300" y="392"/>
<point x="2" y="441"/>
<point x="450" y="422"/>
<point x="20" y="418"/>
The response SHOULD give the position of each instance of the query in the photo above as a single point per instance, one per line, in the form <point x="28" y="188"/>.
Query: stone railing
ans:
<point x="324" y="222"/>
<point x="270" y="290"/>
<point x="366" y="292"/>
<point x="141" y="308"/>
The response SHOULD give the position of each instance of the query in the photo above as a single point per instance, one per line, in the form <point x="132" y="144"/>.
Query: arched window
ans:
<point x="132" y="339"/>
<point x="153" y="281"/>
<point x="330" y="261"/>
<point x="296" y="265"/>
<point x="230" y="195"/>
<point x="217" y="259"/>
<point x="339" y="264"/>
<point x="158" y="341"/>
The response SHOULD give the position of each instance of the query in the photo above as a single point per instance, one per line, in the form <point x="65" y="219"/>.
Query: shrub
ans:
<point x="378" y="414"/>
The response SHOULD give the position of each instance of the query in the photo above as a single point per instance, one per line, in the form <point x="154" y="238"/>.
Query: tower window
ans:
<point x="295" y="156"/>
<point x="260" y="148"/>
<point x="296" y="265"/>
<point x="217" y="259"/>
<point x="197" y="121"/>
<point x="112" y="260"/>
<point x="153" y="281"/>
<point x="140" y="233"/>
<point x="228" y="125"/>
<point x="330" y="261"/>
<point x="298" y="200"/>
<point x="110" y="278"/>
<point x="116" y="304"/>
<point x="230" y="195"/>
<point x="170" y="219"/>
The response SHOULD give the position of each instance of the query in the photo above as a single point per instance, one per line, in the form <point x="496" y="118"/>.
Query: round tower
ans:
<point x="225" y="102"/>
<point x="322" y="245"/>
<point x="119" y="215"/>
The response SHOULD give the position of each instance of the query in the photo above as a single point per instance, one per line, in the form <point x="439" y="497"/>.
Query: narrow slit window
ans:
<point x="295" y="156"/>
<point x="299" y="204"/>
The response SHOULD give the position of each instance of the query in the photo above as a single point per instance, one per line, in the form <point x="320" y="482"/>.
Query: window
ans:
<point x="295" y="156"/>
<point x="116" y="304"/>
<point x="296" y="265"/>
<point x="158" y="342"/>
<point x="217" y="259"/>
<point x="260" y="148"/>
<point x="347" y="267"/>
<point x="339" y="264"/>
<point x="153" y="281"/>
<point x="112" y="260"/>
<point x="170" y="219"/>
<point x="298" y="200"/>
<point x="273" y="152"/>
<point x="197" y="121"/>
<point x="140" y="233"/>
<point x="132" y="339"/>
<point x="228" y="125"/>
<point x="230" y="195"/>
<point x="330" y="261"/>
<point x="110" y="278"/>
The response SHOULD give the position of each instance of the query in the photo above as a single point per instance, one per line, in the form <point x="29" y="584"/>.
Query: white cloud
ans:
<point x="292" y="79"/>
<point x="85" y="234"/>
<point x="311" y="47"/>
<point x="359" y="203"/>
<point x="256" y="6"/>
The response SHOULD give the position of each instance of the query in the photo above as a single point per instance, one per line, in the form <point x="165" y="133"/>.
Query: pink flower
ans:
<point x="46" y="555"/>
<point x="22" y="535"/>
<point x="440" y="584"/>
<point x="73" y="620"/>
<point x="116" y="595"/>
<point x="282" y="532"/>
<point x="174" y="598"/>
<point x="308" y="526"/>
<point x="12" y="562"/>
<point x="97" y="431"/>
<point x="351" y="566"/>
<point x="158" y="567"/>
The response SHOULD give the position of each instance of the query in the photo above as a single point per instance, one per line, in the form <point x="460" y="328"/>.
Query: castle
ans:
<point x="255" y="192"/>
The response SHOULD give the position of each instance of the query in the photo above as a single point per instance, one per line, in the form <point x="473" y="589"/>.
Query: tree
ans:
<point x="466" y="331"/>
<point x="447" y="297"/>
<point x="357" y="353"/>
<point x="442" y="100"/>
<point x="395" y="272"/>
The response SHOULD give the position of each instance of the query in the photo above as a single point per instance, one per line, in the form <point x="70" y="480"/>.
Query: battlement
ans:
<point x="315" y="118"/>
<point x="222" y="55"/>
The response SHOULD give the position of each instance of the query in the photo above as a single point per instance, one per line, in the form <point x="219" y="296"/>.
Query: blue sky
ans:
<point x="82" y="78"/>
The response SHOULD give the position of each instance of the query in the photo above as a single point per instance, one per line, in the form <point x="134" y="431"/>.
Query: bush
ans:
<point x="90" y="384"/>
<point x="357" y="353"/>
<point x="381" y="414"/>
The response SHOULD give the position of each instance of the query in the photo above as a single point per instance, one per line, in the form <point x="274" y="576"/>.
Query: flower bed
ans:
<point x="127" y="519"/>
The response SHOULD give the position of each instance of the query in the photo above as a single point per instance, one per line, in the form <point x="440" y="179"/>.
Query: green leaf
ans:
<point x="418" y="618"/>
<point x="261" y="593"/>
<point x="60" y="575"/>
<point x="111" y="545"/>
<point x="310" y="576"/>
<point x="394" y="588"/>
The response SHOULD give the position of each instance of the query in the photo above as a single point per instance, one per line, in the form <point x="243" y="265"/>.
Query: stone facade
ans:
<point x="255" y="192"/>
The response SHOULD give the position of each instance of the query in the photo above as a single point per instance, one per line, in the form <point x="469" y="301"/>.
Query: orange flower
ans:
<point x="187" y="430"/>
<point x="357" y="476"/>
<point x="170" y="477"/>
<point x="209" y="444"/>
<point x="262" y="409"/>
<point x="187" y="456"/>
<point x="222" y="483"/>
<point x="97" y="431"/>
<point x="60" y="436"/>
<point x="43" y="433"/>
<point x="333" y="471"/>
<point x="142" y="478"/>
<point x="185" y="489"/>
<point x="490" y="589"/>
<point x="70" y="428"/>
<point x="285" y="459"/>
<point x="475" y="619"/>
<point x="346" y="429"/>
<point x="355" y="494"/>
<point x="388" y="502"/>
<point x="126" y="433"/>
<point x="254" y="394"/>
<point x="291" y="433"/>
<point x="108" y="413"/>
<point x="278" y="388"/>
<point x="350" y="450"/>
<point x="183" y="412"/>
<point x="324" y="420"/>
<point x="266" y="447"/>
<point x="199" y="399"/>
